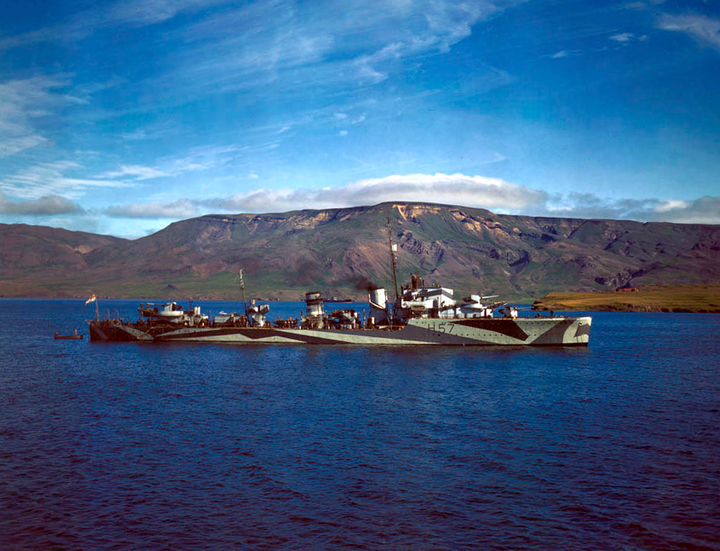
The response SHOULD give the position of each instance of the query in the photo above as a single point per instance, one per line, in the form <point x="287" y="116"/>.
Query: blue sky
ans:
<point x="121" y="117"/>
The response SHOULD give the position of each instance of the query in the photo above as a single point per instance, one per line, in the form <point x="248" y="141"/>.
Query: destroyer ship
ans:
<point x="419" y="315"/>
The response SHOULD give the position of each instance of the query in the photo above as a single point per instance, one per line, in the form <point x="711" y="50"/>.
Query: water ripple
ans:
<point x="218" y="447"/>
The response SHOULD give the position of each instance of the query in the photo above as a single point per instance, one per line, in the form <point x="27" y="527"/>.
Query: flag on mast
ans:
<point x="93" y="298"/>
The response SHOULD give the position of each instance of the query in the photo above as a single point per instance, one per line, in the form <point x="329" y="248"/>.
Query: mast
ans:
<point x="393" y="250"/>
<point x="242" y="290"/>
<point x="93" y="298"/>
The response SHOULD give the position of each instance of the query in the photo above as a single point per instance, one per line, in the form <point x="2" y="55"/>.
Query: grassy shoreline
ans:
<point x="649" y="298"/>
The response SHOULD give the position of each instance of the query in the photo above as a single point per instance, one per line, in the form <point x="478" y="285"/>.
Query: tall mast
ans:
<point x="242" y="290"/>
<point x="393" y="248"/>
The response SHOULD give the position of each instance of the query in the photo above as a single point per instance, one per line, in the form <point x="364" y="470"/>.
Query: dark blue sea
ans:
<point x="181" y="446"/>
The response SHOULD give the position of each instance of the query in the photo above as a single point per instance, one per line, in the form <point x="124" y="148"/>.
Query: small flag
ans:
<point x="91" y="299"/>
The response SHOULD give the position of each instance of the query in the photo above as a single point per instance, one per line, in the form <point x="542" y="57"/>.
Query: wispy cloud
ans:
<point x="485" y="79"/>
<point x="322" y="44"/>
<point x="23" y="104"/>
<point x="150" y="12"/>
<point x="51" y="179"/>
<point x="136" y="172"/>
<point x="643" y="4"/>
<point x="624" y="38"/>
<point x="249" y="46"/>
<point x="106" y="15"/>
<point x="703" y="29"/>
<point x="11" y="146"/>
<point x="134" y="136"/>
<point x="151" y="131"/>
<point x="50" y="205"/>
<point x="196" y="159"/>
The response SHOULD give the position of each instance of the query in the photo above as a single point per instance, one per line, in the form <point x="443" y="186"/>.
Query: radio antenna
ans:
<point x="393" y="250"/>
<point x="242" y="289"/>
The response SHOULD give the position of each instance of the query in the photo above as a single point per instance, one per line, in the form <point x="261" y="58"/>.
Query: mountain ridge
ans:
<point x="339" y="250"/>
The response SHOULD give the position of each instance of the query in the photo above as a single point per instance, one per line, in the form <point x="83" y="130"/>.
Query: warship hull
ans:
<point x="553" y="331"/>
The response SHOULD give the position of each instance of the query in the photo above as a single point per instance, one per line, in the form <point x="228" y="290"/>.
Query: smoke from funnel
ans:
<point x="364" y="284"/>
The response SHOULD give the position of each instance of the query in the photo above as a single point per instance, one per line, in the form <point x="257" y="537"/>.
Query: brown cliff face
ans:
<point x="32" y="257"/>
<point x="332" y="250"/>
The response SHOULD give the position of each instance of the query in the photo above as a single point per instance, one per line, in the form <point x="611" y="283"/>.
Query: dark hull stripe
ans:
<point x="504" y="327"/>
<point x="258" y="335"/>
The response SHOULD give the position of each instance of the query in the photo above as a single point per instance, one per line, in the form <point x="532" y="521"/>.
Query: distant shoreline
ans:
<point x="648" y="298"/>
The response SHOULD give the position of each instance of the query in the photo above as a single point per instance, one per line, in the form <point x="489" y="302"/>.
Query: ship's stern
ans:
<point x="116" y="330"/>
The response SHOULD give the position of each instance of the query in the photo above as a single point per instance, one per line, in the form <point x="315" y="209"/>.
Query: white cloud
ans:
<point x="474" y="191"/>
<point x="626" y="38"/>
<point x="174" y="211"/>
<point x="705" y="210"/>
<point x="50" y="205"/>
<point x="559" y="55"/>
<point x="703" y="29"/>
<point x="459" y="189"/>
<point x="343" y="133"/>
<point x="671" y="205"/>
<point x="478" y="191"/>
<point x="455" y="189"/>
<point x="622" y="37"/>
